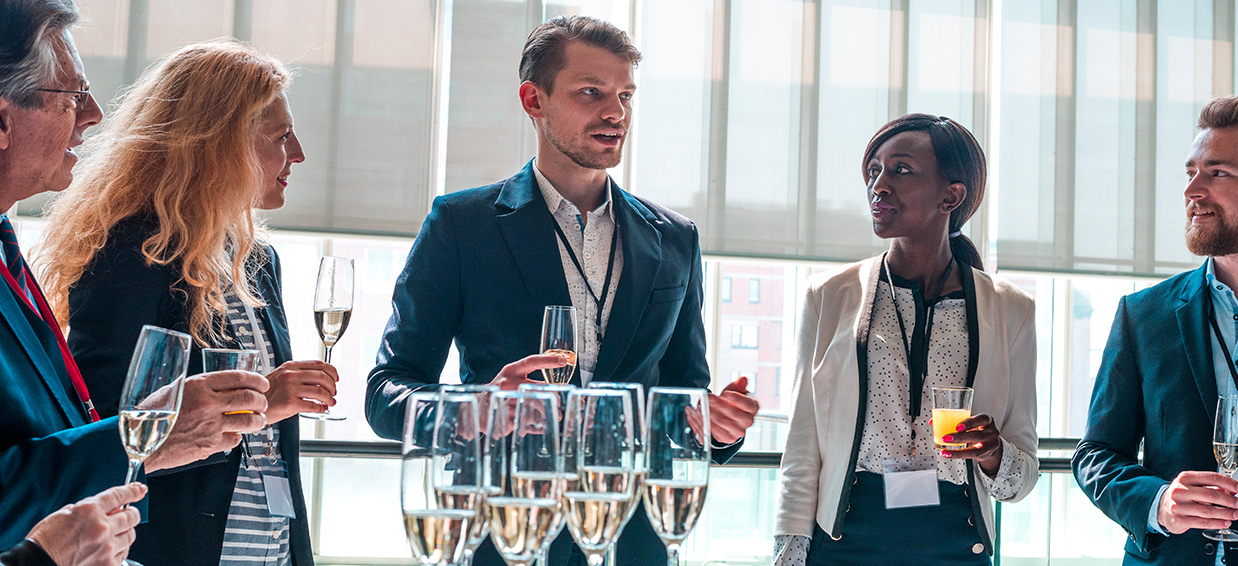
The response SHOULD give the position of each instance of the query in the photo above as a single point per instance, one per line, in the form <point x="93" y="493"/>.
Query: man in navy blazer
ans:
<point x="1170" y="354"/>
<point x="53" y="449"/>
<point x="487" y="261"/>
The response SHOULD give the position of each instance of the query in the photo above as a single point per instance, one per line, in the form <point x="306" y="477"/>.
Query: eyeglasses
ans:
<point x="80" y="97"/>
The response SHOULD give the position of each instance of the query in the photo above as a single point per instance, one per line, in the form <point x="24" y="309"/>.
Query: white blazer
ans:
<point x="826" y="414"/>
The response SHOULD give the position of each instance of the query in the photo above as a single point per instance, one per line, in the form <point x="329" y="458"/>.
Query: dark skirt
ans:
<point x="945" y="534"/>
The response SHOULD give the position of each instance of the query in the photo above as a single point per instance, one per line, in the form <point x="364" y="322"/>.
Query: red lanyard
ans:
<point x="75" y="375"/>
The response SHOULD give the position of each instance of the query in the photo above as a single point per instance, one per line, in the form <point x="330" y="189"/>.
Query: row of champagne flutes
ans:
<point x="519" y="466"/>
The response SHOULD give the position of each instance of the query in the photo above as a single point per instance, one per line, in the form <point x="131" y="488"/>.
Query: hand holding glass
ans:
<point x="951" y="406"/>
<point x="559" y="337"/>
<point x="151" y="397"/>
<point x="332" y="310"/>
<point x="1225" y="449"/>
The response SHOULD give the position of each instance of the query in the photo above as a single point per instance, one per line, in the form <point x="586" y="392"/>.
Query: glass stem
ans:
<point x="327" y="357"/>
<point x="610" y="555"/>
<point x="597" y="559"/>
<point x="672" y="555"/>
<point x="133" y="470"/>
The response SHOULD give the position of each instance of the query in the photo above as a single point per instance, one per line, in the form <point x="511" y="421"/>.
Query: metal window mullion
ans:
<point x="715" y="198"/>
<point x="1144" y="221"/>
<point x="900" y="57"/>
<point x="243" y="20"/>
<point x="1222" y="47"/>
<point x="1065" y="136"/>
<point x="441" y="61"/>
<point x="982" y="121"/>
<point x="135" y="39"/>
<point x="809" y="131"/>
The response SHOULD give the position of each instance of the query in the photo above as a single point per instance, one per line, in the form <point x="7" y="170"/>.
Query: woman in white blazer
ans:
<point x="862" y="481"/>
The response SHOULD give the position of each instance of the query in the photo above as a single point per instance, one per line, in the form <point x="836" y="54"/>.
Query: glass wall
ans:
<point x="752" y="118"/>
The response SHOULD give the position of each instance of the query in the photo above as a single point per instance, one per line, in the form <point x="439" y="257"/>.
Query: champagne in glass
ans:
<point x="536" y="459"/>
<point x="151" y="397"/>
<point x="559" y="337"/>
<point x="601" y="428"/>
<point x="637" y="393"/>
<point x="519" y="525"/>
<point x="332" y="310"/>
<point x="438" y="533"/>
<point x="679" y="455"/>
<point x="1225" y="449"/>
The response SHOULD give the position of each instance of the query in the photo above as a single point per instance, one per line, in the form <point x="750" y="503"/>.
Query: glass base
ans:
<point x="1223" y="535"/>
<point x="327" y="416"/>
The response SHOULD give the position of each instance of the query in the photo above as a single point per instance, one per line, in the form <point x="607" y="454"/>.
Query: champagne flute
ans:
<point x="637" y="393"/>
<point x="679" y="455"/>
<point x="151" y="397"/>
<point x="460" y="480"/>
<point x="561" y="391"/>
<point x="601" y="428"/>
<point x="332" y="311"/>
<point x="437" y="536"/>
<point x="1225" y="449"/>
<point x="559" y="337"/>
<point x="521" y="525"/>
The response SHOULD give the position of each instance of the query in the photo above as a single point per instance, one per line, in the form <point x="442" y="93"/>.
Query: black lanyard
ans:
<point x="1212" y="318"/>
<point x="916" y="372"/>
<point x="610" y="268"/>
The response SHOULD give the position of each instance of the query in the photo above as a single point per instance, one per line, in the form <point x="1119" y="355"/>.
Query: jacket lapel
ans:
<point x="19" y="322"/>
<point x="1193" y="324"/>
<point x="642" y="258"/>
<point x="526" y="226"/>
<point x="273" y="317"/>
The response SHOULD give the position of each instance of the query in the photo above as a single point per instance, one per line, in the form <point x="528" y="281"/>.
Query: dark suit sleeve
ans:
<point x="40" y="475"/>
<point x="26" y="553"/>
<point x="684" y="364"/>
<point x="425" y="317"/>
<point x="1106" y="462"/>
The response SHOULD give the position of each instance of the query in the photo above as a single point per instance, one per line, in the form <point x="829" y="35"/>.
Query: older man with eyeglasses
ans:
<point x="54" y="450"/>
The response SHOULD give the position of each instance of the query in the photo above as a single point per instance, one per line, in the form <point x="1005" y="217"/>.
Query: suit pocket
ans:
<point x="668" y="294"/>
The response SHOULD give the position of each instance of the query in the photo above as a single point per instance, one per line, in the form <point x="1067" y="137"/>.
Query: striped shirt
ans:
<point x="252" y="535"/>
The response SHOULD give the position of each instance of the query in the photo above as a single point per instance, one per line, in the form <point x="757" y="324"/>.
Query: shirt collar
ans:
<point x="1216" y="286"/>
<point x="554" y="200"/>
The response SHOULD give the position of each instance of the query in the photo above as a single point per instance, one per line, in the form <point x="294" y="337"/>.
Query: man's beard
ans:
<point x="584" y="157"/>
<point x="1219" y="240"/>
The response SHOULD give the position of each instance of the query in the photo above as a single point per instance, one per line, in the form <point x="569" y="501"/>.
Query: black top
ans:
<point x="26" y="553"/>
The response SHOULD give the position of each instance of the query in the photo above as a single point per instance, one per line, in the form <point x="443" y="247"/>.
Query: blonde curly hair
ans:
<point x="179" y="147"/>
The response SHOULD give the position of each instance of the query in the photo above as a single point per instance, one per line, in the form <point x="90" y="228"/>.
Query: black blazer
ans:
<point x="1155" y="386"/>
<point x="118" y="294"/>
<point x="484" y="266"/>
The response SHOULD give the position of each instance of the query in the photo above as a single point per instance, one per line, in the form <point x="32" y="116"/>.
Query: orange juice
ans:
<point x="946" y="421"/>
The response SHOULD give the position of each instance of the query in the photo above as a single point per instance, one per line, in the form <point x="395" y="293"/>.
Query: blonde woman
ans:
<point x="158" y="229"/>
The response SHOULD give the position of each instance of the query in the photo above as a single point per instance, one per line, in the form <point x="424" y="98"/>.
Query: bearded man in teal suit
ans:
<point x="1170" y="355"/>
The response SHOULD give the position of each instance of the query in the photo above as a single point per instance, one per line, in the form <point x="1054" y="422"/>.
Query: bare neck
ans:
<point x="923" y="262"/>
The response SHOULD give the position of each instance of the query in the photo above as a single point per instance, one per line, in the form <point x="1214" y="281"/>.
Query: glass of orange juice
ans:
<point x="951" y="406"/>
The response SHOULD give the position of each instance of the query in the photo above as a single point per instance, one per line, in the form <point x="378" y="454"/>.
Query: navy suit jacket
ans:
<point x="1156" y="385"/>
<point x="50" y="454"/>
<point x="483" y="268"/>
<point x="118" y="294"/>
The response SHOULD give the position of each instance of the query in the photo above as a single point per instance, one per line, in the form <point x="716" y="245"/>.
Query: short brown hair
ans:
<point x="1220" y="112"/>
<point x="542" y="58"/>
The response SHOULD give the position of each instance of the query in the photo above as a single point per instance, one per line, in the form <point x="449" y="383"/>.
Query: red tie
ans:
<point x="18" y="277"/>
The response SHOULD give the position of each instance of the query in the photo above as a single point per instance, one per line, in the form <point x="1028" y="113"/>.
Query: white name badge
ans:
<point x="279" y="496"/>
<point x="909" y="488"/>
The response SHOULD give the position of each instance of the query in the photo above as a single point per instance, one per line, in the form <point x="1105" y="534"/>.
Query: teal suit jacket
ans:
<point x="1156" y="386"/>
<point x="50" y="453"/>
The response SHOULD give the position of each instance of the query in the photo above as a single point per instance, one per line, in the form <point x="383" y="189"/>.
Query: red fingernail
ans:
<point x="960" y="428"/>
<point x="948" y="438"/>
<point x="945" y="453"/>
